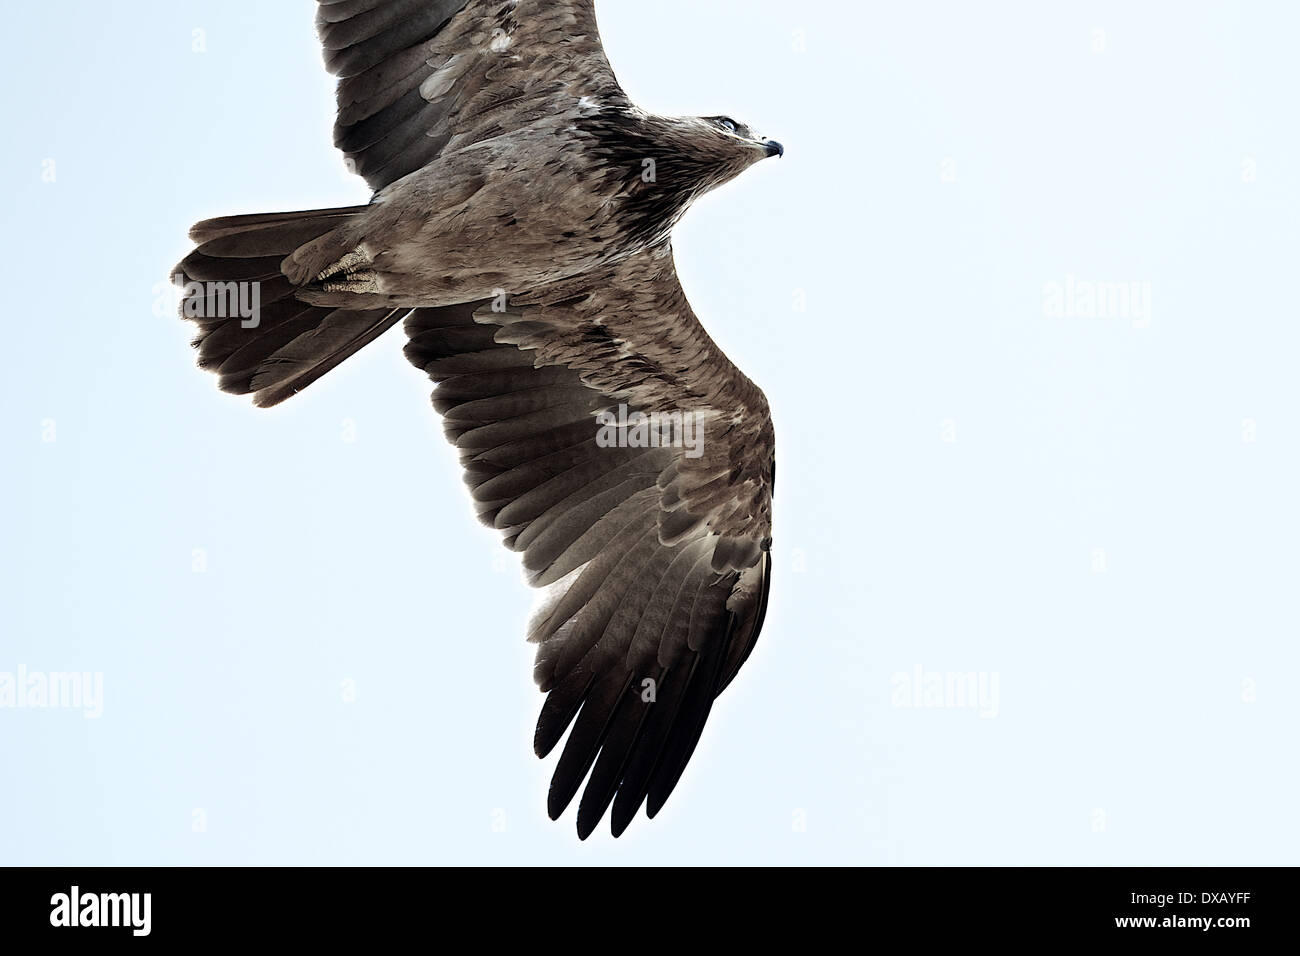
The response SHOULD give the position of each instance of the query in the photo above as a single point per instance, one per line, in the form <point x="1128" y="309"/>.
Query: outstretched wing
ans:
<point x="418" y="75"/>
<point x="651" y="533"/>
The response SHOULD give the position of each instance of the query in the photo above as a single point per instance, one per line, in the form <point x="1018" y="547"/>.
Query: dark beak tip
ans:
<point x="774" y="148"/>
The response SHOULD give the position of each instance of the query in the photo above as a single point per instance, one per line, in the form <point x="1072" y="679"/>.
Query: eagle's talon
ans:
<point x="363" y="282"/>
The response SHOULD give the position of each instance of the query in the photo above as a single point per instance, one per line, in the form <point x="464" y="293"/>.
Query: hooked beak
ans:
<point x="773" y="147"/>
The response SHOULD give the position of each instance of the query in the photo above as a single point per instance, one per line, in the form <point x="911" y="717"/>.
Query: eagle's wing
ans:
<point x="656" y="558"/>
<point x="417" y="75"/>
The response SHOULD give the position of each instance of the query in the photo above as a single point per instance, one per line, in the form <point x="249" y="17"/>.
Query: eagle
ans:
<point x="520" y="229"/>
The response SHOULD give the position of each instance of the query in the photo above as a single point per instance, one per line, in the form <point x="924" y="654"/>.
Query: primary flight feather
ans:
<point x="520" y="229"/>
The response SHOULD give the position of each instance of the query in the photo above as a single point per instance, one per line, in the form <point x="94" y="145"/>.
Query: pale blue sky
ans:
<point x="1099" y="515"/>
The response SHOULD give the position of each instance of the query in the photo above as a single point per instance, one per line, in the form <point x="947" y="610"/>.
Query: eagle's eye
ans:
<point x="727" y="123"/>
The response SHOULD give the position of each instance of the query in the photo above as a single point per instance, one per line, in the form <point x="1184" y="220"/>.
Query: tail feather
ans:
<point x="323" y="219"/>
<point x="255" y="332"/>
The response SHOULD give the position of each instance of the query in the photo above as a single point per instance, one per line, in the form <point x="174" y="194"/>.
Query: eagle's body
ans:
<point x="470" y="204"/>
<point x="570" y="193"/>
<point x="521" y="227"/>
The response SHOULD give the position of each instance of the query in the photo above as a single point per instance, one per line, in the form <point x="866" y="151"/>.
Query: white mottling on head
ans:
<point x="500" y="41"/>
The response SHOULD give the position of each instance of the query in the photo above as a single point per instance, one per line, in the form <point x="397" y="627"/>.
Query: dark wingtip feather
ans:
<point x="619" y="822"/>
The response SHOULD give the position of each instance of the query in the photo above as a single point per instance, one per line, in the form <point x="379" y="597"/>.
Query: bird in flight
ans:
<point x="520" y="229"/>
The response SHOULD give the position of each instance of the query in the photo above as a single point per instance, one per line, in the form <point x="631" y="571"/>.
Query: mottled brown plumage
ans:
<point x="521" y="224"/>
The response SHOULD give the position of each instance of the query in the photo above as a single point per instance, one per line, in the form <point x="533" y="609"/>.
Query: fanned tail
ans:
<point x="255" y="333"/>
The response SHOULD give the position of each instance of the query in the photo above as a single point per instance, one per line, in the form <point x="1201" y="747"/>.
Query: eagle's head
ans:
<point x="665" y="163"/>
<point x="720" y="147"/>
<point x="739" y="136"/>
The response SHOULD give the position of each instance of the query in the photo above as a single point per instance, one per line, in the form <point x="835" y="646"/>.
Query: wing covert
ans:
<point x="420" y="76"/>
